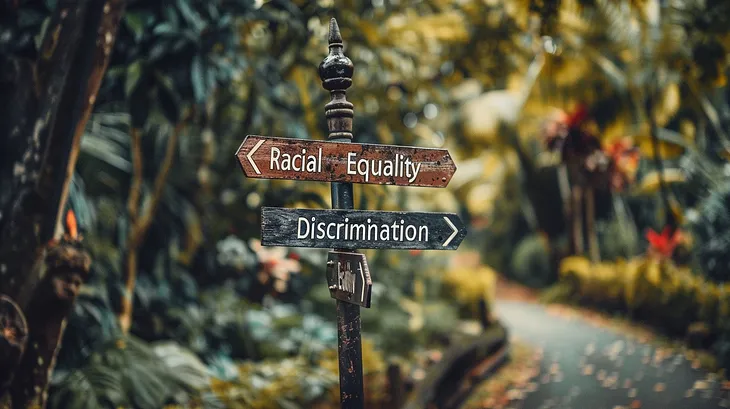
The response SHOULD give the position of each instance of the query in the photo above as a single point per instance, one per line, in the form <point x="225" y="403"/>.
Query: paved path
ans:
<point x="586" y="366"/>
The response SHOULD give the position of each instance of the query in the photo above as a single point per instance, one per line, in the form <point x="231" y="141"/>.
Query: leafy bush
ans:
<point x="298" y="383"/>
<point x="531" y="264"/>
<point x="128" y="372"/>
<point x="711" y="231"/>
<point x="653" y="291"/>
<point x="468" y="286"/>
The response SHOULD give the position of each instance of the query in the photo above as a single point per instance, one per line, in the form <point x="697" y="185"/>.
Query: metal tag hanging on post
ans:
<point x="348" y="278"/>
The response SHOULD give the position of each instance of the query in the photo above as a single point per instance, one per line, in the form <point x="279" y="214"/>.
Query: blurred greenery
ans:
<point x="217" y="320"/>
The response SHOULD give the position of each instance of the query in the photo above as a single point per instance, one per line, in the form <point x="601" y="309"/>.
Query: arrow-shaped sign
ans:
<point x="360" y="229"/>
<point x="348" y="277"/>
<point x="249" y="156"/>
<point x="266" y="157"/>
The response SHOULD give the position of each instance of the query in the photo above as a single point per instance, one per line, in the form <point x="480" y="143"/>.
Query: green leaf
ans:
<point x="192" y="17"/>
<point x="105" y="151"/>
<point x="160" y="49"/>
<point x="165" y="29"/>
<point x="136" y="24"/>
<point x="213" y="11"/>
<point x="172" y="17"/>
<point x="134" y="73"/>
<point x="197" y="76"/>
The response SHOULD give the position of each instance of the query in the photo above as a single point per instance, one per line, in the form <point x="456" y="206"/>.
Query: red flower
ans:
<point x="577" y="117"/>
<point x="663" y="244"/>
<point x="568" y="135"/>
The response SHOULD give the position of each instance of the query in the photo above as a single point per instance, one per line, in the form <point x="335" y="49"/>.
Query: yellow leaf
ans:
<point x="575" y="264"/>
<point x="666" y="150"/>
<point x="668" y="105"/>
<point x="650" y="183"/>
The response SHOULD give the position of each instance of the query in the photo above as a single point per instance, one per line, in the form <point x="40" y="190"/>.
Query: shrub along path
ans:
<point x="588" y="362"/>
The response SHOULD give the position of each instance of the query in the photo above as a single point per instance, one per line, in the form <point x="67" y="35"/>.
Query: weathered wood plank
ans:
<point x="265" y="157"/>
<point x="360" y="229"/>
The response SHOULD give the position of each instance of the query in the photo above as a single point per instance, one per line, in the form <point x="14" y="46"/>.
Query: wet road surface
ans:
<point x="587" y="366"/>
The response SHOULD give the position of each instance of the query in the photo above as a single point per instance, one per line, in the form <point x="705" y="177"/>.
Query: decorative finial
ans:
<point x="335" y="37"/>
<point x="336" y="73"/>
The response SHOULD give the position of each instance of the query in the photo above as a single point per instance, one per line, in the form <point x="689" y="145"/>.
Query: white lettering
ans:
<point x="365" y="172"/>
<point x="299" y="228"/>
<point x="275" y="158"/>
<point x="351" y="162"/>
<point x="416" y="169"/>
<point x="361" y="230"/>
<point x="410" y="236"/>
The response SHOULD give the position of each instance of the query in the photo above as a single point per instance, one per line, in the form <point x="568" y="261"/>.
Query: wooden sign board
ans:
<point x="265" y="157"/>
<point x="348" y="277"/>
<point x="360" y="229"/>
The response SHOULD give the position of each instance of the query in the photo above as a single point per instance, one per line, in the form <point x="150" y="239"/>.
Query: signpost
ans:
<point x="343" y="229"/>
<point x="285" y="158"/>
<point x="361" y="229"/>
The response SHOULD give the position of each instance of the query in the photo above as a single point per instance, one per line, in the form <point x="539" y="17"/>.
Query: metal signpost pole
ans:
<point x="336" y="73"/>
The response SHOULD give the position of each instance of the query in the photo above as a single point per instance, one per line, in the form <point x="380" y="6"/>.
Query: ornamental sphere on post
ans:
<point x="336" y="73"/>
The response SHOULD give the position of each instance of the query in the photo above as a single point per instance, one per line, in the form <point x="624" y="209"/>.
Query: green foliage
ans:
<point x="244" y="67"/>
<point x="129" y="372"/>
<point x="531" y="262"/>
<point x="618" y="239"/>
<point x="655" y="292"/>
<point x="711" y="231"/>
<point x="292" y="383"/>
<point x="169" y="56"/>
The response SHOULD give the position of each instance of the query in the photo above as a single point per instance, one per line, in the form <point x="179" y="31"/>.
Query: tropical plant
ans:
<point x="710" y="233"/>
<point x="129" y="372"/>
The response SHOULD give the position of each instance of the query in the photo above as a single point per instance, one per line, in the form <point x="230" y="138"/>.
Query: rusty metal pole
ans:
<point x="336" y="73"/>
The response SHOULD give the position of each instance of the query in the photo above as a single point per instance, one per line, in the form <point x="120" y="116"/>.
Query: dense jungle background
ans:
<point x="592" y="140"/>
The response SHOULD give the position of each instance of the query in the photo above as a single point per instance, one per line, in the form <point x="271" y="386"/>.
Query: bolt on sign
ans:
<point x="343" y="229"/>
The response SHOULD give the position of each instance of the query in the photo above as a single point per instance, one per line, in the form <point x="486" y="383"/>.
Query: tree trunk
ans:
<point x="53" y="99"/>
<point x="68" y="267"/>
<point x="141" y="223"/>
<point x="593" y="248"/>
<point x="576" y="213"/>
<point x="40" y="135"/>
<point x="25" y="212"/>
